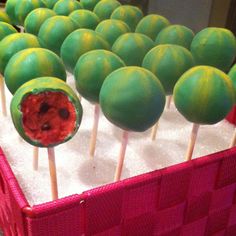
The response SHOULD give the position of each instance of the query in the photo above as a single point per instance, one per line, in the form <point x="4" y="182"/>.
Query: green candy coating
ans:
<point x="214" y="47"/>
<point x="85" y="19"/>
<point x="129" y="14"/>
<point x="6" y="29"/>
<point x="151" y="25"/>
<point x="132" y="98"/>
<point x="112" y="29"/>
<point x="91" y="70"/>
<point x="4" y="17"/>
<point x="79" y="42"/>
<point x="89" y="4"/>
<point x="176" y="34"/>
<point x="105" y="8"/>
<point x="204" y="95"/>
<point x="54" y="30"/>
<point x="14" y="43"/>
<point x="35" y="19"/>
<point x="10" y="9"/>
<point x="36" y="86"/>
<point x="50" y="3"/>
<point x="132" y="47"/>
<point x="232" y="76"/>
<point x="65" y="7"/>
<point x="31" y="63"/>
<point x="168" y="62"/>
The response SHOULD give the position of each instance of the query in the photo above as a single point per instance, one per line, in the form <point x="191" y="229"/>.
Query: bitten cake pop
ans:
<point x="89" y="4"/>
<point x="112" y="29"/>
<point x="203" y="95"/>
<point x="85" y="19"/>
<point x="6" y="29"/>
<point x="46" y="112"/>
<point x="132" y="47"/>
<point x="54" y="30"/>
<point x="90" y="72"/>
<point x="50" y="3"/>
<point x="65" y="7"/>
<point x="151" y="25"/>
<point x="133" y="99"/>
<point x="129" y="14"/>
<point x="104" y="8"/>
<point x="214" y="47"/>
<point x="79" y="42"/>
<point x="4" y="17"/>
<point x="35" y="19"/>
<point x="32" y="63"/>
<point x="175" y="34"/>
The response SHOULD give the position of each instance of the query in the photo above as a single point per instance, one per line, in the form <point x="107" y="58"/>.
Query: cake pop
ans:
<point x="50" y="3"/>
<point x="4" y="17"/>
<point x="65" y="7"/>
<point x="6" y="29"/>
<point x="89" y="4"/>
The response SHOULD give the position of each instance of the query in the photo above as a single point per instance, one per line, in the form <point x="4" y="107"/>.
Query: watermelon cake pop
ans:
<point x="203" y="95"/>
<point x="50" y="3"/>
<point x="168" y="62"/>
<point x="14" y="43"/>
<point x="10" y="9"/>
<point x="175" y="34"/>
<point x="6" y="29"/>
<point x="104" y="8"/>
<point x="85" y="19"/>
<point x="214" y="47"/>
<point x="112" y="29"/>
<point x="89" y="4"/>
<point x="131" y="15"/>
<point x="54" y="30"/>
<point x="32" y="63"/>
<point x="151" y="25"/>
<point x="35" y="19"/>
<point x="65" y="7"/>
<point x="133" y="99"/>
<point x="79" y="42"/>
<point x="4" y="17"/>
<point x="132" y="47"/>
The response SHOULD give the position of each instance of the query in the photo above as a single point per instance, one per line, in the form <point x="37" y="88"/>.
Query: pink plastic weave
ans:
<point x="197" y="198"/>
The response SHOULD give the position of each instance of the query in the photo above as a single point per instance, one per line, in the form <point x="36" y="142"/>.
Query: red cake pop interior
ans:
<point x="48" y="117"/>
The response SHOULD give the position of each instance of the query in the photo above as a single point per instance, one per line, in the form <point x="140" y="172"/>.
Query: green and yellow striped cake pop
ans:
<point x="36" y="18"/>
<point x="232" y="76"/>
<point x="151" y="25"/>
<point x="14" y="43"/>
<point x="132" y="47"/>
<point x="50" y="3"/>
<point x="10" y="10"/>
<point x="131" y="15"/>
<point x="54" y="30"/>
<point x="104" y="8"/>
<point x="214" y="47"/>
<point x="168" y="62"/>
<point x="85" y="19"/>
<point x="4" y="17"/>
<point x="6" y="29"/>
<point x="79" y="42"/>
<point x="175" y="34"/>
<point x="112" y="29"/>
<point x="89" y="4"/>
<point x="65" y="7"/>
<point x="31" y="63"/>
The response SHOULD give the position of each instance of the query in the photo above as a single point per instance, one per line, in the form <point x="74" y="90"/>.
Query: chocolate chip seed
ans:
<point x="45" y="127"/>
<point x="64" y="113"/>
<point x="44" y="108"/>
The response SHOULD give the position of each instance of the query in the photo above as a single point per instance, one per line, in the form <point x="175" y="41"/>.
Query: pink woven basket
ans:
<point x="195" y="198"/>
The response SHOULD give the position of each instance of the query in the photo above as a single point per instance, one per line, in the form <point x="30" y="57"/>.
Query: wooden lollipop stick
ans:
<point x="119" y="167"/>
<point x="35" y="158"/>
<point x="192" y="142"/>
<point x="53" y="173"/>
<point x="93" y="137"/>
<point x="154" y="131"/>
<point x="3" y="97"/>
<point x="233" y="141"/>
<point x="169" y="99"/>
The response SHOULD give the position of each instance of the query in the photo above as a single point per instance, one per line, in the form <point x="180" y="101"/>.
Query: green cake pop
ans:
<point x="65" y="7"/>
<point x="176" y="34"/>
<point x="35" y="19"/>
<point x="129" y="14"/>
<point x="112" y="29"/>
<point x="6" y="29"/>
<point x="89" y="4"/>
<point x="232" y="76"/>
<point x="104" y="8"/>
<point x="50" y="3"/>
<point x="31" y="63"/>
<point x="85" y="19"/>
<point x="4" y="17"/>
<point x="168" y="62"/>
<point x="214" y="47"/>
<point x="79" y="42"/>
<point x="54" y="30"/>
<point x="132" y="47"/>
<point x="151" y="25"/>
<point x="14" y="43"/>
<point x="10" y="10"/>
